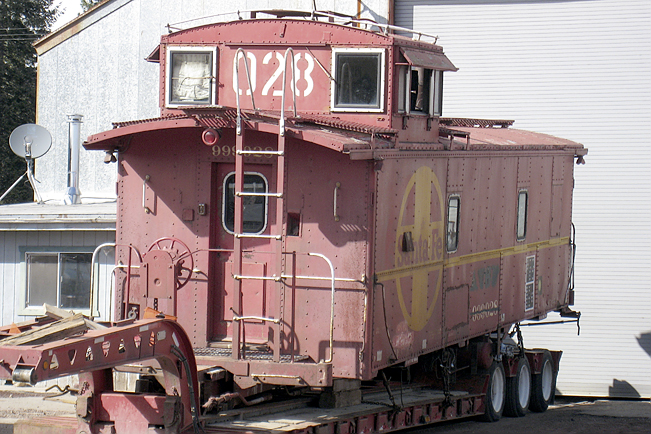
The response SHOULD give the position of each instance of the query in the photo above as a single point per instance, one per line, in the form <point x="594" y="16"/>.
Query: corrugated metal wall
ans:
<point x="580" y="70"/>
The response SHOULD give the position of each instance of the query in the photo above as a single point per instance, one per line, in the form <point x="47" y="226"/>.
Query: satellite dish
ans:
<point x="30" y="141"/>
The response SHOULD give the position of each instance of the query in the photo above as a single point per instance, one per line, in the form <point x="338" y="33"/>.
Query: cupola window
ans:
<point x="191" y="76"/>
<point x="358" y="83"/>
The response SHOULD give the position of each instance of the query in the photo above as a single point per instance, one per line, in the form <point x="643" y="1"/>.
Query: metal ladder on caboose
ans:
<point x="278" y="196"/>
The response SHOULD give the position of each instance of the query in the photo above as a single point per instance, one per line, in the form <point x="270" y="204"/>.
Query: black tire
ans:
<point x="518" y="390"/>
<point x="495" y="393"/>
<point x="543" y="385"/>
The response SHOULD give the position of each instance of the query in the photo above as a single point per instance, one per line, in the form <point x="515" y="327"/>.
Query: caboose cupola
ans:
<point x="372" y="78"/>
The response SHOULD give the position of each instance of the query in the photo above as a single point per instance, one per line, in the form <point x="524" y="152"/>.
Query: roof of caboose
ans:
<point x="297" y="28"/>
<point x="481" y="134"/>
<point x="328" y="132"/>
<point x="364" y="141"/>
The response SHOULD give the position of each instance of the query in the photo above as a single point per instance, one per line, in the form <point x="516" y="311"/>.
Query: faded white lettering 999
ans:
<point x="229" y="151"/>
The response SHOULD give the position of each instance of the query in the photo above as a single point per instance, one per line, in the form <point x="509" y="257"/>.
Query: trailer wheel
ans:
<point x="496" y="393"/>
<point x="544" y="385"/>
<point x="518" y="390"/>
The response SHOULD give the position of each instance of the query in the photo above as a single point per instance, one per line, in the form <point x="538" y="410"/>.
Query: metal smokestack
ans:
<point x="73" y="195"/>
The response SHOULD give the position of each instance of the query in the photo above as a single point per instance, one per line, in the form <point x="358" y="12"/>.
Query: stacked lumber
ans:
<point x="66" y="324"/>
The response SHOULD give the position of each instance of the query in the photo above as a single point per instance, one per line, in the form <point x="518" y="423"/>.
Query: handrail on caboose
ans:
<point x="240" y="52"/>
<point x="129" y="266"/>
<point x="294" y="276"/>
<point x="282" y="104"/>
<point x="314" y="14"/>
<point x="332" y="304"/>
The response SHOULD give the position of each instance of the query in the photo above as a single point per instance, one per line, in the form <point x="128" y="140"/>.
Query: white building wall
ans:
<point x="95" y="67"/>
<point x="578" y="69"/>
<point x="13" y="270"/>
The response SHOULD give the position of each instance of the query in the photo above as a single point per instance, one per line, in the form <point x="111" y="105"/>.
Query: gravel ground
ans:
<point x="23" y="403"/>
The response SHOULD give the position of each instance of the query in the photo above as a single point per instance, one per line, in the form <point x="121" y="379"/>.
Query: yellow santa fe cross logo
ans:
<point x="424" y="263"/>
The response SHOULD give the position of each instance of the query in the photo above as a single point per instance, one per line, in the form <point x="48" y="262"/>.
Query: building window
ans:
<point x="190" y="76"/>
<point x="521" y="229"/>
<point x="255" y="207"/>
<point x="58" y="279"/>
<point x="359" y="80"/>
<point x="453" y="223"/>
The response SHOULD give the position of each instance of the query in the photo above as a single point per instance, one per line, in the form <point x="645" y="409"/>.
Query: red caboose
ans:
<point x="308" y="217"/>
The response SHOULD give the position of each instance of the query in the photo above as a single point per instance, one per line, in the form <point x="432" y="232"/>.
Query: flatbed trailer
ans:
<point x="161" y="345"/>
<point x="377" y="413"/>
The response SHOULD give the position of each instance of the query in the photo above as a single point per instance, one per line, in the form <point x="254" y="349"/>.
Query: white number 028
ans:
<point x="306" y="74"/>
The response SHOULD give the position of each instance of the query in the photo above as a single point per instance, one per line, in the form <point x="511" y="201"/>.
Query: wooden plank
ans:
<point x="56" y="312"/>
<point x="24" y="325"/>
<point x="92" y="325"/>
<point x="57" y="330"/>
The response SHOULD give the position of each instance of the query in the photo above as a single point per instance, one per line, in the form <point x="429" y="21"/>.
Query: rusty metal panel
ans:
<point x="455" y="312"/>
<point x="311" y="94"/>
<point x="428" y="59"/>
<point x="257" y="300"/>
<point x="131" y="414"/>
<point x="330" y="195"/>
<point x="513" y="295"/>
<point x="512" y="138"/>
<point x="409" y="255"/>
<point x="159" y="271"/>
<point x="552" y="277"/>
<point x="484" y="296"/>
<point x="539" y="200"/>
<point x="170" y="184"/>
<point x="483" y="283"/>
<point x="561" y="201"/>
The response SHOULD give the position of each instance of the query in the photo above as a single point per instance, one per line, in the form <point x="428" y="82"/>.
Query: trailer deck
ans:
<point x="376" y="413"/>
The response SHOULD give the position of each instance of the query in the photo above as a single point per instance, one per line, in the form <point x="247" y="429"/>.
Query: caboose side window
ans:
<point x="358" y="80"/>
<point x="453" y="223"/>
<point x="521" y="229"/>
<point x="190" y="76"/>
<point x="422" y="91"/>
<point x="421" y="83"/>
<point x="255" y="207"/>
<point x="437" y="93"/>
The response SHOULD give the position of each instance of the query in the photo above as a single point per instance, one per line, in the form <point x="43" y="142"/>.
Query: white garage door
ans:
<point x="580" y="70"/>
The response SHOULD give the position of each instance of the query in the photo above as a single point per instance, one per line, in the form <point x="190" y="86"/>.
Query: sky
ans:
<point x="72" y="9"/>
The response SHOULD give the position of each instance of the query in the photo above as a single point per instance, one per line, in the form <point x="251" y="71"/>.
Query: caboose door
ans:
<point x="257" y="298"/>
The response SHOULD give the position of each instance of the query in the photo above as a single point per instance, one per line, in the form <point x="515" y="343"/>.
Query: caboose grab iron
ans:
<point x="314" y="225"/>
